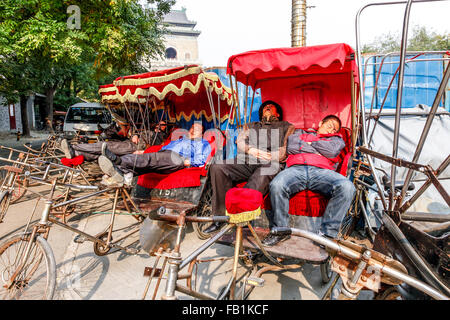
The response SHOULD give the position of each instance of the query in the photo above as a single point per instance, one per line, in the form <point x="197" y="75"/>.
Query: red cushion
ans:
<point x="76" y="161"/>
<point x="185" y="178"/>
<point x="238" y="200"/>
<point x="152" y="149"/>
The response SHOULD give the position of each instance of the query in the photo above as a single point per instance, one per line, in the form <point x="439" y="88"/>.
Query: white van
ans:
<point x="85" y="116"/>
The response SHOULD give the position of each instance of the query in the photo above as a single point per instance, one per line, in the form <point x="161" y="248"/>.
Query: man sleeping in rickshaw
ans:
<point x="261" y="153"/>
<point x="135" y="144"/>
<point x="189" y="151"/>
<point x="311" y="164"/>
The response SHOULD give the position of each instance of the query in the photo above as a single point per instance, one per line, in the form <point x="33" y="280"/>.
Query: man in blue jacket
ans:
<point x="189" y="151"/>
<point x="311" y="164"/>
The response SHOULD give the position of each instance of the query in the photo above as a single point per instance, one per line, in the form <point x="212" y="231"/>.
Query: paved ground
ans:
<point x="119" y="275"/>
<point x="82" y="275"/>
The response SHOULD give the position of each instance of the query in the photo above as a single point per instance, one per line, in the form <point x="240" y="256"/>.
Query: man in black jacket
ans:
<point x="261" y="155"/>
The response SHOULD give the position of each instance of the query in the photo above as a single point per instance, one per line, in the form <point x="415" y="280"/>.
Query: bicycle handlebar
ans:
<point x="160" y="214"/>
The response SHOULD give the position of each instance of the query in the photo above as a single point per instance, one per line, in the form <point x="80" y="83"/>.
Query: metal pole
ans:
<point x="298" y="23"/>
<point x="352" y="254"/>
<point x="425" y="186"/>
<point x="401" y="75"/>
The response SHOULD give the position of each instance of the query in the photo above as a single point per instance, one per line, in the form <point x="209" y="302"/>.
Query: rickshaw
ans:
<point x="324" y="80"/>
<point x="179" y="96"/>
<point x="309" y="83"/>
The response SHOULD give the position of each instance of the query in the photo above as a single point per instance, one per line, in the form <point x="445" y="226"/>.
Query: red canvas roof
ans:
<point x="185" y="88"/>
<point x="308" y="82"/>
<point x="253" y="66"/>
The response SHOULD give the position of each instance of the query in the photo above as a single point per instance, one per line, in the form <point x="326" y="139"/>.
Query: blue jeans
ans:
<point x="297" y="178"/>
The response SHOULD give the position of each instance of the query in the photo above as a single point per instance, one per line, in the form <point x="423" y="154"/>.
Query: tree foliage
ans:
<point x="40" y="52"/>
<point x="420" y="39"/>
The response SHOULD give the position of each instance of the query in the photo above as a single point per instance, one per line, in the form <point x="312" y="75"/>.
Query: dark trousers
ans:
<point x="91" y="151"/>
<point x="160" y="162"/>
<point x="225" y="176"/>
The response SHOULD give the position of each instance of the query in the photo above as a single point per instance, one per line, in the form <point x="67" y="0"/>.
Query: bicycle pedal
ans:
<point x="79" y="239"/>
<point x="255" y="281"/>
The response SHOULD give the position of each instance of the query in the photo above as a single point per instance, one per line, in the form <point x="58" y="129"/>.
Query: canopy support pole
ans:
<point x="251" y="107"/>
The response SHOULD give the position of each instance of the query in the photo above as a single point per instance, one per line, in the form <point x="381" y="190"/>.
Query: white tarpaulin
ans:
<point x="434" y="152"/>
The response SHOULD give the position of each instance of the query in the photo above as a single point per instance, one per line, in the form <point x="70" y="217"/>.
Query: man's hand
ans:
<point x="264" y="155"/>
<point x="139" y="152"/>
<point x="260" y="154"/>
<point x="187" y="163"/>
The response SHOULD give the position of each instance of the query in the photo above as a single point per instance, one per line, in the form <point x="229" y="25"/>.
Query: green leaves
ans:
<point x="35" y="39"/>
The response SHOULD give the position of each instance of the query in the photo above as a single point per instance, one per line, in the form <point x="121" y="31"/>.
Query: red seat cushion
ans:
<point x="75" y="161"/>
<point x="184" y="178"/>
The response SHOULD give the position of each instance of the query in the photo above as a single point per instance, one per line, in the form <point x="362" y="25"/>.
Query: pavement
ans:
<point x="118" y="275"/>
<point x="82" y="275"/>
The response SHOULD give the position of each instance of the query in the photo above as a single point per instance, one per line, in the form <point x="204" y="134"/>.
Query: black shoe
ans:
<point x="213" y="228"/>
<point x="108" y="154"/>
<point x="272" y="239"/>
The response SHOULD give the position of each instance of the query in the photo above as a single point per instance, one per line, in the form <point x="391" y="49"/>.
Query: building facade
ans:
<point x="10" y="116"/>
<point x="180" y="41"/>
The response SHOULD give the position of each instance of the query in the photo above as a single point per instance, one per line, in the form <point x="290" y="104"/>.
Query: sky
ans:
<point x="234" y="26"/>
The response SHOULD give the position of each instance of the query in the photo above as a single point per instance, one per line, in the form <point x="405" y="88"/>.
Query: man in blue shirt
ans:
<point x="188" y="151"/>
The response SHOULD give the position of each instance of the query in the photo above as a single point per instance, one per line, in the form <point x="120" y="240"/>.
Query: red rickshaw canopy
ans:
<point x="308" y="82"/>
<point x="186" y="88"/>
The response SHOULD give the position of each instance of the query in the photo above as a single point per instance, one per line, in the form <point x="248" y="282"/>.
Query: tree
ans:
<point x="113" y="35"/>
<point x="420" y="39"/>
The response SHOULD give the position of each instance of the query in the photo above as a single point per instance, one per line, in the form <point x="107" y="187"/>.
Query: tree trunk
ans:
<point x="24" y="116"/>
<point x="49" y="95"/>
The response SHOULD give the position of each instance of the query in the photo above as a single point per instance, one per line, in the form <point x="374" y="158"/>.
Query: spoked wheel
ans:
<point x="325" y="271"/>
<point x="100" y="249"/>
<point x="349" y="222"/>
<point x="19" y="190"/>
<point x="203" y="210"/>
<point x="36" y="280"/>
<point x="5" y="200"/>
<point x="390" y="293"/>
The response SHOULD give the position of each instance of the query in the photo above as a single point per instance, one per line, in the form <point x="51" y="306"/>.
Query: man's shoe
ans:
<point x="108" y="154"/>
<point x="114" y="181"/>
<point x="272" y="239"/>
<point x="67" y="149"/>
<point x="115" y="176"/>
<point x="213" y="228"/>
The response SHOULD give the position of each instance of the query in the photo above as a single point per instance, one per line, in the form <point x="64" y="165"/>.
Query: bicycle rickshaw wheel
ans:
<point x="390" y="293"/>
<point x="19" y="191"/>
<point x="37" y="279"/>
<point x="325" y="271"/>
<point x="4" y="203"/>
<point x="203" y="210"/>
